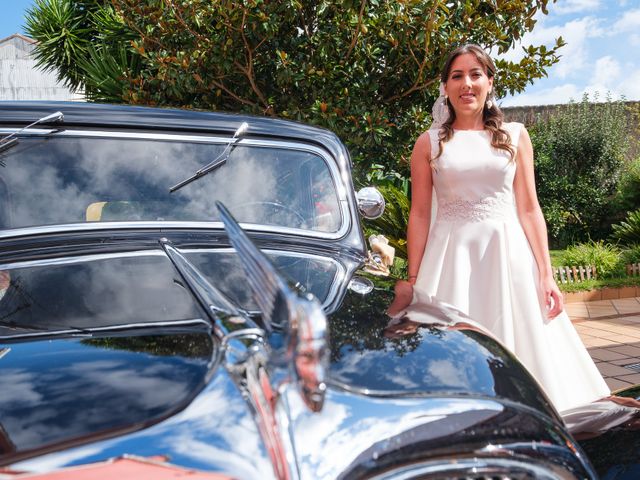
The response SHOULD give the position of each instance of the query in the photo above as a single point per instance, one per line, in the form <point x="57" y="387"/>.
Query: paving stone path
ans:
<point x="610" y="329"/>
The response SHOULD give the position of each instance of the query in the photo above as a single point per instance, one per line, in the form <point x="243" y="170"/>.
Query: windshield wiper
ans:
<point x="215" y="163"/>
<point x="11" y="140"/>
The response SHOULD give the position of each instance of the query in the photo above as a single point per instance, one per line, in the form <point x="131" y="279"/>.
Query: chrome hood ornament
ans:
<point x="297" y="315"/>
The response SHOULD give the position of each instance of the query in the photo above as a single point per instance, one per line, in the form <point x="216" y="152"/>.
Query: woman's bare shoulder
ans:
<point x="424" y="141"/>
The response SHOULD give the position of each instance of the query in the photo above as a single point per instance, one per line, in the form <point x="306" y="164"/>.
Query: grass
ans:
<point x="556" y="261"/>
<point x="599" y="283"/>
<point x="556" y="257"/>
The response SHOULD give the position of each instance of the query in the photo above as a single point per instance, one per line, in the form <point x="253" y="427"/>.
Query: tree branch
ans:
<point x="354" y="40"/>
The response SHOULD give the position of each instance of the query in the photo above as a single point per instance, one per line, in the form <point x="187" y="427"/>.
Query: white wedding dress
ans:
<point x="478" y="259"/>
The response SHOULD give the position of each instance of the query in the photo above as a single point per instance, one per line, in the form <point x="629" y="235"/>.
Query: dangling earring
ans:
<point x="446" y="100"/>
<point x="489" y="103"/>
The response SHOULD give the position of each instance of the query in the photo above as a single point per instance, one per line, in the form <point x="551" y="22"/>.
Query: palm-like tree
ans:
<point x="85" y="43"/>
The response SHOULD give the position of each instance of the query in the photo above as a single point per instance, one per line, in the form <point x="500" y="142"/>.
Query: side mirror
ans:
<point x="370" y="202"/>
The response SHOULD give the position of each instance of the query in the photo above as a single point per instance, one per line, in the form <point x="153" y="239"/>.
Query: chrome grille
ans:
<point x="476" y="469"/>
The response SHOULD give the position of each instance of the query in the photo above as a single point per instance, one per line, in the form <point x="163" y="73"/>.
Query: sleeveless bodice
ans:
<point x="472" y="180"/>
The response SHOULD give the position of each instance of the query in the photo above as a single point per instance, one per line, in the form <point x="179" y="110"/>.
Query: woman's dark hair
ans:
<point x="492" y="117"/>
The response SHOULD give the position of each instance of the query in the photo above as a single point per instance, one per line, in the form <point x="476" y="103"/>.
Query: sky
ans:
<point x="601" y="55"/>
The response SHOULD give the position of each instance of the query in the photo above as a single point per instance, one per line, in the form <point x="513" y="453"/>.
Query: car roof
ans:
<point x="99" y="115"/>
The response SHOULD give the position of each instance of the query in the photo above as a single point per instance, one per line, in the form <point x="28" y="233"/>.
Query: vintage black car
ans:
<point x="186" y="289"/>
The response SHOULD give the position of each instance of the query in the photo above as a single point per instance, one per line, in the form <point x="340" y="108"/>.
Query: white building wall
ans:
<point x="21" y="79"/>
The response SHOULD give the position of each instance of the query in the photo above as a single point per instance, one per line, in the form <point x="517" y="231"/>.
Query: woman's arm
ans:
<point x="419" y="221"/>
<point x="533" y="224"/>
<point x="420" y="213"/>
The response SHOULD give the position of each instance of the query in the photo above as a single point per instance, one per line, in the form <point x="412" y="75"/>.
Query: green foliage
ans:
<point x="631" y="254"/>
<point x="599" y="283"/>
<point x="580" y="152"/>
<point x="628" y="194"/>
<point x="70" y="32"/>
<point x="366" y="70"/>
<point x="628" y="231"/>
<point x="605" y="257"/>
<point x="393" y="222"/>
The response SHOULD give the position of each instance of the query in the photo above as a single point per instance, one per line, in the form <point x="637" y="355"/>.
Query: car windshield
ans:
<point x="70" y="178"/>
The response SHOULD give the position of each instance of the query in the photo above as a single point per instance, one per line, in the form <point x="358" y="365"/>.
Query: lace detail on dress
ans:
<point x="496" y="207"/>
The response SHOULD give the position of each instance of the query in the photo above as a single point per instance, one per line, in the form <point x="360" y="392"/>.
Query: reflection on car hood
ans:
<point x="66" y="391"/>
<point x="434" y="351"/>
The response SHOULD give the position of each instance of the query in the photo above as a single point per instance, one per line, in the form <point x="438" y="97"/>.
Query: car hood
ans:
<point x="431" y="349"/>
<point x="98" y="345"/>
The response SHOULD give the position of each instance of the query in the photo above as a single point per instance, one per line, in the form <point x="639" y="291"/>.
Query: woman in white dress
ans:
<point x="486" y="250"/>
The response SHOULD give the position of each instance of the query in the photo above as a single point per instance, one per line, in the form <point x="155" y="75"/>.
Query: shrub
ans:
<point x="628" y="232"/>
<point x="631" y="254"/>
<point x="580" y="152"/>
<point x="628" y="194"/>
<point x="605" y="257"/>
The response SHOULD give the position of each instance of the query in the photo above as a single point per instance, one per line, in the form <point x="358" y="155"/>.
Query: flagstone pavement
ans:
<point x="610" y="329"/>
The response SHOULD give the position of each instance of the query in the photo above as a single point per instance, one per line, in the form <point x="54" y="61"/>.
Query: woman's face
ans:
<point x="467" y="85"/>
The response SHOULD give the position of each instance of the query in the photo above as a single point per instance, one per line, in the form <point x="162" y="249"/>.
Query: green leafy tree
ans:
<point x="366" y="69"/>
<point x="580" y="153"/>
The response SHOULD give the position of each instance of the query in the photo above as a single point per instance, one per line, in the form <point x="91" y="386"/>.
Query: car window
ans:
<point x="69" y="179"/>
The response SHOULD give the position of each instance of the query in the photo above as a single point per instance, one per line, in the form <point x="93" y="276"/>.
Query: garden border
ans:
<point x="607" y="293"/>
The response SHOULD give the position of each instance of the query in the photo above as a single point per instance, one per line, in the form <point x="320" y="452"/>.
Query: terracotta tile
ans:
<point x="627" y="309"/>
<point x="611" y="370"/>
<point x="599" y="325"/>
<point x="623" y="362"/>
<point x="610" y="293"/>
<point x="625" y="301"/>
<point x="607" y="355"/>
<point x="626" y="339"/>
<point x="585" y="328"/>
<point x="615" y="384"/>
<point x="631" y="350"/>
<point x="573" y="297"/>
<point x="601" y="311"/>
<point x="600" y="303"/>
<point x="601" y="342"/>
<point x="633" y="378"/>
<point x="628" y="292"/>
<point x="603" y="333"/>
<point x="577" y="310"/>
<point x="630" y="331"/>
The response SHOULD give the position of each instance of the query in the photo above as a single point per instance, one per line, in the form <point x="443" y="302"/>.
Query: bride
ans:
<point x="485" y="251"/>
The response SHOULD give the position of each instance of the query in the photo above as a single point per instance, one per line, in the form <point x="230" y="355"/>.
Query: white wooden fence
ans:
<point x="574" y="274"/>
<point x="580" y="273"/>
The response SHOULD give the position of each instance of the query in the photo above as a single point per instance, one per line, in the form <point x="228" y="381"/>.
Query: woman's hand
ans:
<point x="403" y="296"/>
<point x="552" y="297"/>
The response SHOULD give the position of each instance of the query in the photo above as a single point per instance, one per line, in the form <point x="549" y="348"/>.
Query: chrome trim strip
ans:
<point x="71" y="259"/>
<point x="337" y="168"/>
<point x="88" y="331"/>
<point x="476" y="468"/>
<point x="146" y="225"/>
